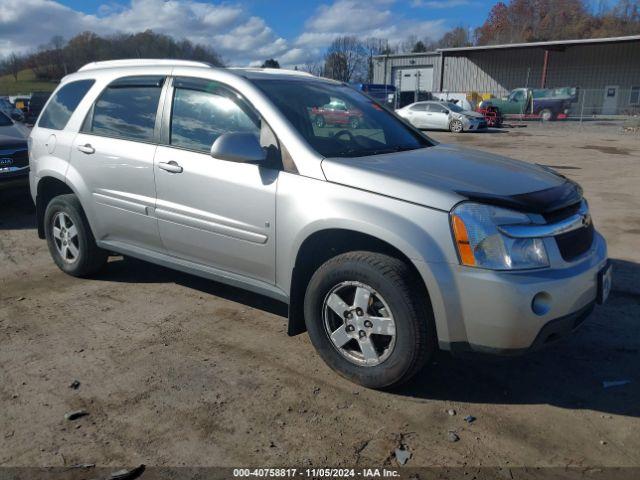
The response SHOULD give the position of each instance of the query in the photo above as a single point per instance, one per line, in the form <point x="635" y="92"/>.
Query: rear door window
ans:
<point x="127" y="109"/>
<point x="436" y="108"/>
<point x="63" y="103"/>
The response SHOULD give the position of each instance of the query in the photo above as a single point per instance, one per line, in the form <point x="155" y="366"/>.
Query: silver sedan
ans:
<point x="434" y="115"/>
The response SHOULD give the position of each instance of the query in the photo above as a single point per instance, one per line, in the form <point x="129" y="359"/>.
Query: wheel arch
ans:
<point x="49" y="187"/>
<point x="51" y="184"/>
<point x="320" y="246"/>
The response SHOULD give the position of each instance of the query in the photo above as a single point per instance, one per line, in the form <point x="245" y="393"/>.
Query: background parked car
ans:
<point x="442" y="116"/>
<point x="544" y="103"/>
<point x="382" y="93"/>
<point x="14" y="160"/>
<point x="21" y="102"/>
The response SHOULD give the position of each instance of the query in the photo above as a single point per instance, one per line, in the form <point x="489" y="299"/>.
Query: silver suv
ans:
<point x="385" y="245"/>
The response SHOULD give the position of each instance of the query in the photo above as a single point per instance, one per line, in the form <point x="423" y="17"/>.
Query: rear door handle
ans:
<point x="87" y="148"/>
<point x="171" y="167"/>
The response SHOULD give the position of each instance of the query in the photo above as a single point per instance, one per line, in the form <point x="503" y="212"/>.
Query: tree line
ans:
<point x="56" y="59"/>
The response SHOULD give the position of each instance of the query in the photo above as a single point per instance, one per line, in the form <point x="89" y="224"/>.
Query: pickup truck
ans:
<point x="546" y="104"/>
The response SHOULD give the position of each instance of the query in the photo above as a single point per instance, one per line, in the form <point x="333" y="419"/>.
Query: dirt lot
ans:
<point x="175" y="370"/>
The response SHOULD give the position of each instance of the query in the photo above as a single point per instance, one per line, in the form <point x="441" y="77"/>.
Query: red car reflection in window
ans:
<point x="336" y="113"/>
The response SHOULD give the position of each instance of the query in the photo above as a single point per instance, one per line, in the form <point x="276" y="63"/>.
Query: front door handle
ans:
<point x="87" y="148"/>
<point x="171" y="167"/>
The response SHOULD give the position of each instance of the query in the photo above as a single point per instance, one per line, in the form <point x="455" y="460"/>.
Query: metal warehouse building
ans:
<point x="607" y="70"/>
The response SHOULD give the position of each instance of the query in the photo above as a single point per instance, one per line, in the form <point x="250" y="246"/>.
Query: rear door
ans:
<point x="418" y="115"/>
<point x="113" y="153"/>
<point x="215" y="212"/>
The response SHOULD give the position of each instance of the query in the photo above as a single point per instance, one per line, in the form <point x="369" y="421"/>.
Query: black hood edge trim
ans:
<point x="540" y="202"/>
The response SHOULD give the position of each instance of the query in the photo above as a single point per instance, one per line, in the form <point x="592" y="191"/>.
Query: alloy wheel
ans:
<point x="359" y="323"/>
<point x="65" y="237"/>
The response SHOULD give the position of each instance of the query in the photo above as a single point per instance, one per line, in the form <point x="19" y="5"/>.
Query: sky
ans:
<point x="243" y="32"/>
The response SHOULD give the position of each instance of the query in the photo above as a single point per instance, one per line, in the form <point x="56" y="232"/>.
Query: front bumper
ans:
<point x="475" y="124"/>
<point x="14" y="177"/>
<point x="490" y="311"/>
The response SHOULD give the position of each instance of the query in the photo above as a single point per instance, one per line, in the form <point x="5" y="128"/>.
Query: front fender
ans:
<point x="306" y="206"/>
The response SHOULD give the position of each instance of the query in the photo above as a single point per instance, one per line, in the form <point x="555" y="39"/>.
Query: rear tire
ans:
<point x="320" y="122"/>
<point x="547" y="115"/>
<point x="376" y="354"/>
<point x="69" y="238"/>
<point x="354" y="122"/>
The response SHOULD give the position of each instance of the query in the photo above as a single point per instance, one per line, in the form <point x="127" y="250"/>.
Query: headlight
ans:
<point x="481" y="244"/>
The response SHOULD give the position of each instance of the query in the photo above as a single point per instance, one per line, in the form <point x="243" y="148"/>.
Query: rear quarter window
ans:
<point x="63" y="103"/>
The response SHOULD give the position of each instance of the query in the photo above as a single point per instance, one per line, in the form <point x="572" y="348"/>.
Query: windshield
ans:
<point x="4" y="120"/>
<point x="338" y="121"/>
<point x="454" y="108"/>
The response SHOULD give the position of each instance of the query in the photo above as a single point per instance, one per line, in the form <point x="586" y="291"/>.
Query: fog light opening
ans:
<point x="541" y="303"/>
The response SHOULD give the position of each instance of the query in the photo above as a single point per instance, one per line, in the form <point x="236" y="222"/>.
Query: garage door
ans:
<point x="412" y="79"/>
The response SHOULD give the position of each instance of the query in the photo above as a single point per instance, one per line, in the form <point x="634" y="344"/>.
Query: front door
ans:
<point x="610" y="102"/>
<point x="210" y="211"/>
<point x="113" y="154"/>
<point x="438" y="116"/>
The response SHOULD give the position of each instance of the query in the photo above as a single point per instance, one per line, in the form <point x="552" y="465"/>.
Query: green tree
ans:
<point x="270" y="63"/>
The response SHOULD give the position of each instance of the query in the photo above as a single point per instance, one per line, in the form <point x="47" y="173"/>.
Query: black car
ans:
<point x="14" y="158"/>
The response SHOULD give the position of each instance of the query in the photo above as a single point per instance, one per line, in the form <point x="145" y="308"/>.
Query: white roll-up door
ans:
<point x="412" y="79"/>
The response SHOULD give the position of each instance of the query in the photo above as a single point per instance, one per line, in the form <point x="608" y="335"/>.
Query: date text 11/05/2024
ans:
<point x="315" y="473"/>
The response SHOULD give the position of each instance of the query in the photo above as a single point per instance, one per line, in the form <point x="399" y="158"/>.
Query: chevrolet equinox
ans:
<point x="385" y="245"/>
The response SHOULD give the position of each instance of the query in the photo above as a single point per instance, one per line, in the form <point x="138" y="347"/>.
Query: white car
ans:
<point x="442" y="116"/>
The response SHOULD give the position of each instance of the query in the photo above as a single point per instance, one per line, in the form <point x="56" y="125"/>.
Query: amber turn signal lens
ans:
<point x="462" y="242"/>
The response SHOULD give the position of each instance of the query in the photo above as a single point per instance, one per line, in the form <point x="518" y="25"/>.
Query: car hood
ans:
<point x="470" y="113"/>
<point x="443" y="175"/>
<point x="12" y="134"/>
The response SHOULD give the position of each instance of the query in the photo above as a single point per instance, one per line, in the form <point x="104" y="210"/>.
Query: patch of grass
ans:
<point x="27" y="83"/>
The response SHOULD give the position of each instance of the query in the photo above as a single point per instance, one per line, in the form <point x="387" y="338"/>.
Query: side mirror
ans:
<point x="238" y="147"/>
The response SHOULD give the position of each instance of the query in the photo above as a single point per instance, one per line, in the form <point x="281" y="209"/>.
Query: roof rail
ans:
<point x="275" y="71"/>
<point x="142" y="62"/>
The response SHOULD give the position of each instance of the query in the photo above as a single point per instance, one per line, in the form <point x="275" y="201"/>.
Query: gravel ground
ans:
<point x="175" y="370"/>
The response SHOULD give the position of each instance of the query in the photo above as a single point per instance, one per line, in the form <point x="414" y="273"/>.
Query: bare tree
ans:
<point x="374" y="46"/>
<point x="343" y="58"/>
<point x="314" y="68"/>
<point x="58" y="43"/>
<point x="14" y="65"/>
<point x="458" y="37"/>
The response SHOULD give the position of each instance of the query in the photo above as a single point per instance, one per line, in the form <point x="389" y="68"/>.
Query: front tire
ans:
<point x="69" y="238"/>
<point x="368" y="320"/>
<point x="456" y="126"/>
